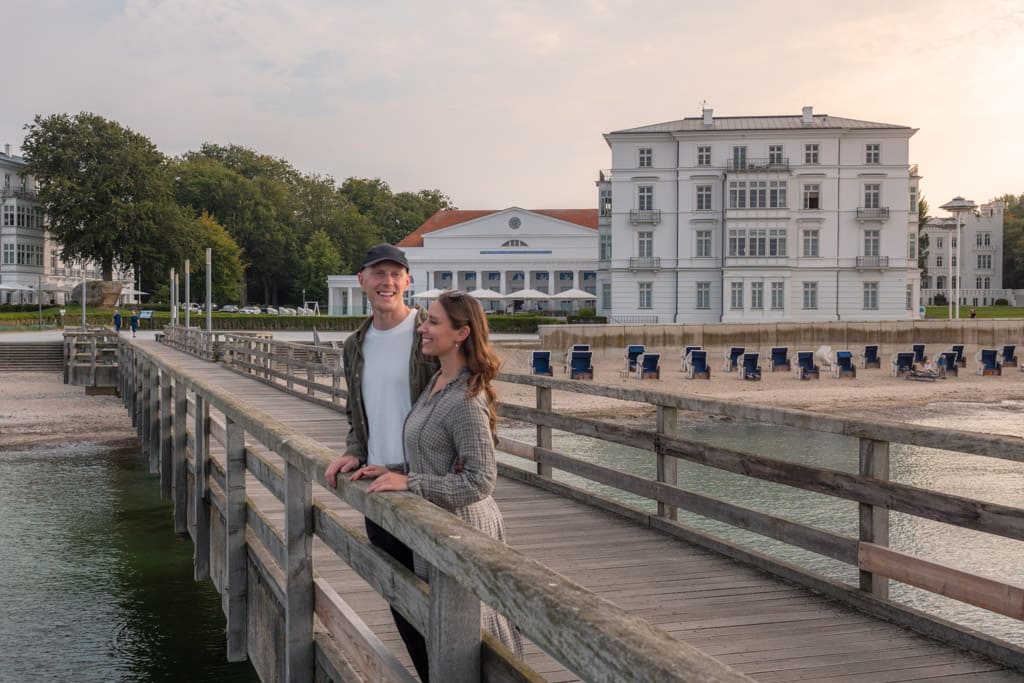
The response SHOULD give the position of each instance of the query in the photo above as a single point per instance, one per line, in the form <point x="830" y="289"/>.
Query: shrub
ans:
<point x="586" y="313"/>
<point x="519" y="323"/>
<point x="1000" y="302"/>
<point x="940" y="300"/>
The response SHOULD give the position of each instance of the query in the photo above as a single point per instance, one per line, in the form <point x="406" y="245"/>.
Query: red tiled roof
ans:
<point x="445" y="219"/>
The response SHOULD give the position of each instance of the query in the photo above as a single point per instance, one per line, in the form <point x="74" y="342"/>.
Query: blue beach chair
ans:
<point x="870" y="359"/>
<point x="633" y="353"/>
<point x="902" y="363"/>
<point x="569" y="351"/>
<point x="541" y="363"/>
<point x="805" y="367"/>
<point x="1009" y="356"/>
<point x="684" y="357"/>
<point x="844" y="366"/>
<point x="580" y="366"/>
<point x="988" y="362"/>
<point x="779" y="360"/>
<point x="732" y="358"/>
<point x="961" y="359"/>
<point x="697" y="366"/>
<point x="649" y="366"/>
<point x="918" y="353"/>
<point x="750" y="368"/>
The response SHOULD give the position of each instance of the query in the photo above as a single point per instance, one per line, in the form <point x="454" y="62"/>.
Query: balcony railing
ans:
<point x="872" y="261"/>
<point x="645" y="263"/>
<point x="770" y="164"/>
<point x="873" y="213"/>
<point x="605" y="211"/>
<point x="19" y="193"/>
<point x="652" y="216"/>
<point x="604" y="175"/>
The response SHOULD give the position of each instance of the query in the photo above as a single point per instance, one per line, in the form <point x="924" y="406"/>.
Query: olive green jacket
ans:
<point x="421" y="370"/>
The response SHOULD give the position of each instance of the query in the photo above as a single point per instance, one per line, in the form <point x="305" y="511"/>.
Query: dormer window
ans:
<point x="515" y="243"/>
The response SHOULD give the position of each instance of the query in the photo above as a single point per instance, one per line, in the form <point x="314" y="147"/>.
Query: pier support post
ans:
<point x="453" y="640"/>
<point x="200" y="490"/>
<point x="166" y="437"/>
<point x="667" y="422"/>
<point x="179" y="485"/>
<point x="874" y="520"/>
<point x="153" y="429"/>
<point x="298" y="614"/>
<point x="544" y="433"/>
<point x="236" y="561"/>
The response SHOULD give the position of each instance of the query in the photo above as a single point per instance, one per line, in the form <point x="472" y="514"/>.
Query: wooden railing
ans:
<point x="262" y="572"/>
<point x="90" y="356"/>
<point x="870" y="488"/>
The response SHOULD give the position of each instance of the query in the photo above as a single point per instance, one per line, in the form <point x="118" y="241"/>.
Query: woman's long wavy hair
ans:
<point x="481" y="361"/>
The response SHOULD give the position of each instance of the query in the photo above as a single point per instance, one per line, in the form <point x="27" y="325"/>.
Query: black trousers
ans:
<point x="415" y="643"/>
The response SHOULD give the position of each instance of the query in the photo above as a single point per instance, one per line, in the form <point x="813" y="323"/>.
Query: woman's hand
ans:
<point x="368" y="472"/>
<point x="389" y="481"/>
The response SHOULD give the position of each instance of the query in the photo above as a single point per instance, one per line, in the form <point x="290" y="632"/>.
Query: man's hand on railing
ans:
<point x="345" y="463"/>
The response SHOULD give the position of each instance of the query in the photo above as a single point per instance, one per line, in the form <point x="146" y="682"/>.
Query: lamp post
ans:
<point x="950" y="225"/>
<point x="958" y="206"/>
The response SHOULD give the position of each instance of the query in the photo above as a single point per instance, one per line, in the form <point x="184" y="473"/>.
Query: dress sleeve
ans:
<point x="466" y="429"/>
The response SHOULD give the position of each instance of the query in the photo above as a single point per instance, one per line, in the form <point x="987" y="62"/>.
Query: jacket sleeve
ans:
<point x="353" y="444"/>
<point x="467" y="429"/>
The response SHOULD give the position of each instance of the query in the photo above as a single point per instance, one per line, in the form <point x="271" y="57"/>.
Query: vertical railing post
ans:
<point x="298" y="614"/>
<point x="310" y="378"/>
<point x="336" y="384"/>
<point x="154" y="418"/>
<point x="874" y="520"/>
<point x="236" y="560"/>
<point x="453" y="638"/>
<point x="166" y="438"/>
<point x="143" y="426"/>
<point x="544" y="433"/>
<point x="200" y="489"/>
<point x="179" y="486"/>
<point x="288" y="365"/>
<point x="667" y="422"/>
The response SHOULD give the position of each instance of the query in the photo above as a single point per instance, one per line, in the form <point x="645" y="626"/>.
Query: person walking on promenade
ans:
<point x="449" y="434"/>
<point x="134" y="321"/>
<point x="117" y="320"/>
<point x="381" y="391"/>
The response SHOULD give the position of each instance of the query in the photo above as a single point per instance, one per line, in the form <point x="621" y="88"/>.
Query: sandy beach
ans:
<point x="873" y="393"/>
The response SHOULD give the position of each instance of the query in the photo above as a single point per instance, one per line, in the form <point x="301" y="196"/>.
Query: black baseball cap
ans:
<point x="384" y="252"/>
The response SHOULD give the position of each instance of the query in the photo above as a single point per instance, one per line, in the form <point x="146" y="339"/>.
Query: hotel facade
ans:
<point x="757" y="219"/>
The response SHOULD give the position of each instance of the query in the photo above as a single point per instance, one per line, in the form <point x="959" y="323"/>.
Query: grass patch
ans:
<point x="942" y="312"/>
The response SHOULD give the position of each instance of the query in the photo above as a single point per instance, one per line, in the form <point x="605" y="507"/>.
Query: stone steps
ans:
<point x="32" y="356"/>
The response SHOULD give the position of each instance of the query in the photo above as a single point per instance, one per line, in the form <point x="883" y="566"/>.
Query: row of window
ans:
<point x="982" y="239"/>
<point x="751" y="194"/>
<point x="776" y="155"/>
<point x="22" y="216"/>
<point x="984" y="261"/>
<point x="738" y="296"/>
<point x="940" y="282"/>
<point x="756" y="242"/>
<point x="22" y="254"/>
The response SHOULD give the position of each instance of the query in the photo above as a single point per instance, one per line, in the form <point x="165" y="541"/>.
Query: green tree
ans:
<point x="393" y="215"/>
<point x="226" y="255"/>
<point x="922" y="238"/>
<point x="106" y="193"/>
<point x="320" y="258"/>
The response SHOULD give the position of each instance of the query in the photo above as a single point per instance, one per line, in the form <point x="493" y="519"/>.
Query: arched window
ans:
<point x="515" y="243"/>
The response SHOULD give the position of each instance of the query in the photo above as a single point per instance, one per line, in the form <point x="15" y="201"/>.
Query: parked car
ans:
<point x="269" y="310"/>
<point x="252" y="310"/>
<point x="229" y="308"/>
<point x="286" y="310"/>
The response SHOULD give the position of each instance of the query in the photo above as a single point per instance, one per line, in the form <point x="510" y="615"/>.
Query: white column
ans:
<point x="501" y="282"/>
<point x="480" y="284"/>
<point x="552" y="282"/>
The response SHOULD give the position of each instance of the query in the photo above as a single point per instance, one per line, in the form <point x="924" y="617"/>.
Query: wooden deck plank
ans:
<point x="770" y="629"/>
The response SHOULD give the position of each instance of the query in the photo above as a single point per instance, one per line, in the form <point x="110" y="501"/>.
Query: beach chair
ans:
<point x="918" y="353"/>
<point x="541" y="363"/>
<point x="749" y="368"/>
<point x="870" y="359"/>
<point x="844" y="365"/>
<point x="633" y="353"/>
<point x="961" y="359"/>
<point x="684" y="357"/>
<point x="649" y="367"/>
<point x="568" y="354"/>
<point x="988" y="362"/>
<point x="902" y="363"/>
<point x="697" y="365"/>
<point x="1009" y="356"/>
<point x="732" y="358"/>
<point x="948" y="364"/>
<point x="805" y="367"/>
<point x="779" y="360"/>
<point x="580" y="366"/>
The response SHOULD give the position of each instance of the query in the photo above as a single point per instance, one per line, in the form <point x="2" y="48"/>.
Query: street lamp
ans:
<point x="950" y="225"/>
<point x="958" y="206"/>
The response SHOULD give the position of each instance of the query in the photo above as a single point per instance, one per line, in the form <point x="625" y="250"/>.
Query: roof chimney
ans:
<point x="7" y="150"/>
<point x="707" y="116"/>
<point x="808" y="116"/>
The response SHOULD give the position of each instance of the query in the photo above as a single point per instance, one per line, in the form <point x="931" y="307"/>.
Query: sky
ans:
<point x="502" y="104"/>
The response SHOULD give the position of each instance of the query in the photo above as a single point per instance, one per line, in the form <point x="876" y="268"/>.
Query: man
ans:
<point x="381" y="391"/>
<point x="117" y="320"/>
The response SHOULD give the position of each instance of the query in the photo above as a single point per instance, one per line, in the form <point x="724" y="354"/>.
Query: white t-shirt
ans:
<point x="385" y="387"/>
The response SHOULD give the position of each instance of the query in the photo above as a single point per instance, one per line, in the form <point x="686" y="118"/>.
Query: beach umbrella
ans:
<point x="528" y="294"/>
<point x="573" y="295"/>
<point x="485" y="294"/>
<point x="429" y="294"/>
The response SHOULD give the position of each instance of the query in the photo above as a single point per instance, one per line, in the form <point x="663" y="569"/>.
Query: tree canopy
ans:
<point x="106" y="193"/>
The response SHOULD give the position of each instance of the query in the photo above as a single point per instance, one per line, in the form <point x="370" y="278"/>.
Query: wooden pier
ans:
<point x="603" y="591"/>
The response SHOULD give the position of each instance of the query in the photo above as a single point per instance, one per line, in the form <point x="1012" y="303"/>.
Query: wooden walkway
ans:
<point x="769" y="629"/>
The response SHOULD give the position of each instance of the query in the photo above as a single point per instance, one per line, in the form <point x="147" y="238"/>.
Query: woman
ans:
<point x="449" y="433"/>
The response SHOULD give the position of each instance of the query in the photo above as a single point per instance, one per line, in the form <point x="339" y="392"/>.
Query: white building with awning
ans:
<point x="506" y="251"/>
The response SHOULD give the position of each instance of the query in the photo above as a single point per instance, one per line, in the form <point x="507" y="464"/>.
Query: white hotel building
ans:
<point x="753" y="219"/>
<point x="506" y="251"/>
